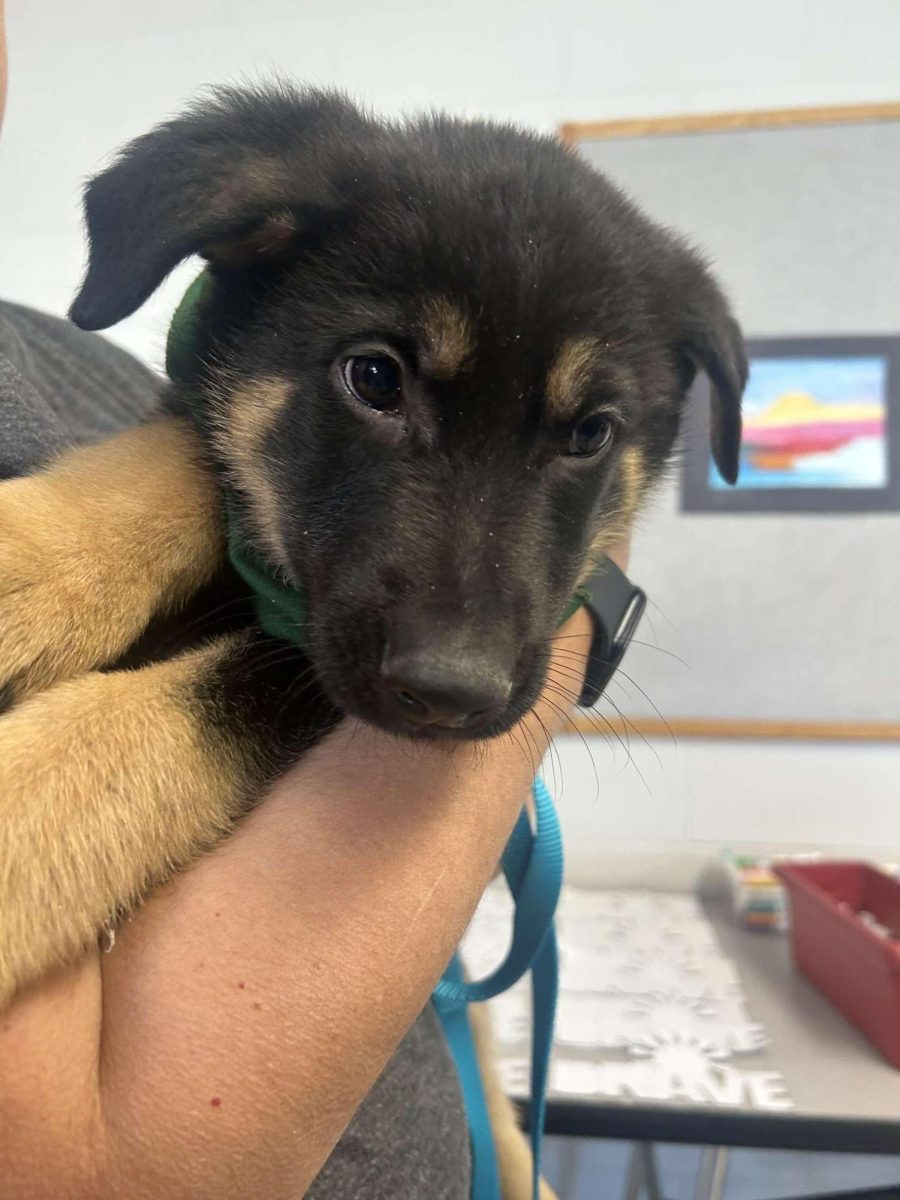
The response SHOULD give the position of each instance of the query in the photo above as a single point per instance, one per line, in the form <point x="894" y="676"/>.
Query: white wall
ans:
<point x="662" y="816"/>
<point x="86" y="76"/>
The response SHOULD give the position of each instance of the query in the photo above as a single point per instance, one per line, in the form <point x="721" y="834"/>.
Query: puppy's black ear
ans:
<point x="228" y="179"/>
<point x="714" y="343"/>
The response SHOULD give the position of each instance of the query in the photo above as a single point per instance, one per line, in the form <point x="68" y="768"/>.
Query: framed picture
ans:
<point x="821" y="431"/>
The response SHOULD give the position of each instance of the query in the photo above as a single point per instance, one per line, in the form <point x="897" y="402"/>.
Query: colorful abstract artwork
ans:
<point x="821" y="432"/>
<point x="814" y="423"/>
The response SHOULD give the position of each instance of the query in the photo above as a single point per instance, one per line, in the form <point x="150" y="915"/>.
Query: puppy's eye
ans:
<point x="375" y="381"/>
<point x="591" y="435"/>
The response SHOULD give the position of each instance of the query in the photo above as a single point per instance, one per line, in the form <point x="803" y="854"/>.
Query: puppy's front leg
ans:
<point x="111" y="782"/>
<point x="98" y="543"/>
<point x="515" y="1163"/>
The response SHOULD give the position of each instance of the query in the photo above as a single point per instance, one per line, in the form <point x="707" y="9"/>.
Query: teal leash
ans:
<point x="453" y="1014"/>
<point x="533" y="866"/>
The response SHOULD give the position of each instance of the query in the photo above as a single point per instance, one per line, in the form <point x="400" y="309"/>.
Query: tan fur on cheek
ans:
<point x="96" y="545"/>
<point x="617" y="525"/>
<point x="570" y="374"/>
<point x="448" y="339"/>
<point x="108" y="784"/>
<point x="245" y="415"/>
<point x="634" y="474"/>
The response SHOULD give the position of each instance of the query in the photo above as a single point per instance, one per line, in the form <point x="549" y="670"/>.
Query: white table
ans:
<point x="844" y="1096"/>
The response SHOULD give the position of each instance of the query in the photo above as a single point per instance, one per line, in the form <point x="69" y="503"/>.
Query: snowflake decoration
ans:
<point x="678" y="1054"/>
<point x="663" y="955"/>
<point x="743" y="1039"/>
<point x="665" y="1011"/>
<point x="722" y="1024"/>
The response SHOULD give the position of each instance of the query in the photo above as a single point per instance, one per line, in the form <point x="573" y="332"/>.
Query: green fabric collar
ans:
<point x="181" y="343"/>
<point x="281" y="610"/>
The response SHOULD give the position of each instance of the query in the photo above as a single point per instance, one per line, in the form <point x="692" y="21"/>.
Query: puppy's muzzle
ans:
<point x="427" y="682"/>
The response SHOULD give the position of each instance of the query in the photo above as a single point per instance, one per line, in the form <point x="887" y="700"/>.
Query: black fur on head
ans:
<point x="441" y="363"/>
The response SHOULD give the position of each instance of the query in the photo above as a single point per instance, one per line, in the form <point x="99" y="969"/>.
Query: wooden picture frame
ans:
<point x="574" y="132"/>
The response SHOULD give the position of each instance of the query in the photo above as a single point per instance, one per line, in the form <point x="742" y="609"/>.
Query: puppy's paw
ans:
<point x="64" y="605"/>
<point x="108" y="784"/>
<point x="93" y="547"/>
<point x="56" y="616"/>
<point x="516" y="1176"/>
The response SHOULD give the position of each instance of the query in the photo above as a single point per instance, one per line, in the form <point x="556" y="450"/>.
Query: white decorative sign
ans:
<point x="650" y="1009"/>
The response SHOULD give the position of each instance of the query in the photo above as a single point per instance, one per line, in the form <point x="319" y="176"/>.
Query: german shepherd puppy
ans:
<point x="438" y="366"/>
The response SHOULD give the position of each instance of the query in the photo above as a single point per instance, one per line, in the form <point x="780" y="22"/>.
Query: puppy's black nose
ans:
<point x="430" y="690"/>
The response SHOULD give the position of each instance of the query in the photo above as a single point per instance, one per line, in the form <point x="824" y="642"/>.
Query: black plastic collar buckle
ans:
<point x="616" y="607"/>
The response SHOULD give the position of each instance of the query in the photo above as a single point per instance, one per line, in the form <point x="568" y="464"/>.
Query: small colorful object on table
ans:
<point x="757" y="894"/>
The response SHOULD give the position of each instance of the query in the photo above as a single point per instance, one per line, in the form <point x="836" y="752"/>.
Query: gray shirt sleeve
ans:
<point x="60" y="386"/>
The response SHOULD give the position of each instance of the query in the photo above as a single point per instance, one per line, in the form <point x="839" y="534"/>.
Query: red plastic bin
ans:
<point x="857" y="968"/>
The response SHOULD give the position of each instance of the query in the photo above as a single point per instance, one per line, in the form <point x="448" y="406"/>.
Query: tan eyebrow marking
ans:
<point x="570" y="373"/>
<point x="449" y="340"/>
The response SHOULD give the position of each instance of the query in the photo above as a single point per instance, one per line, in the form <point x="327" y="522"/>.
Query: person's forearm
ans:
<point x="223" y="1046"/>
